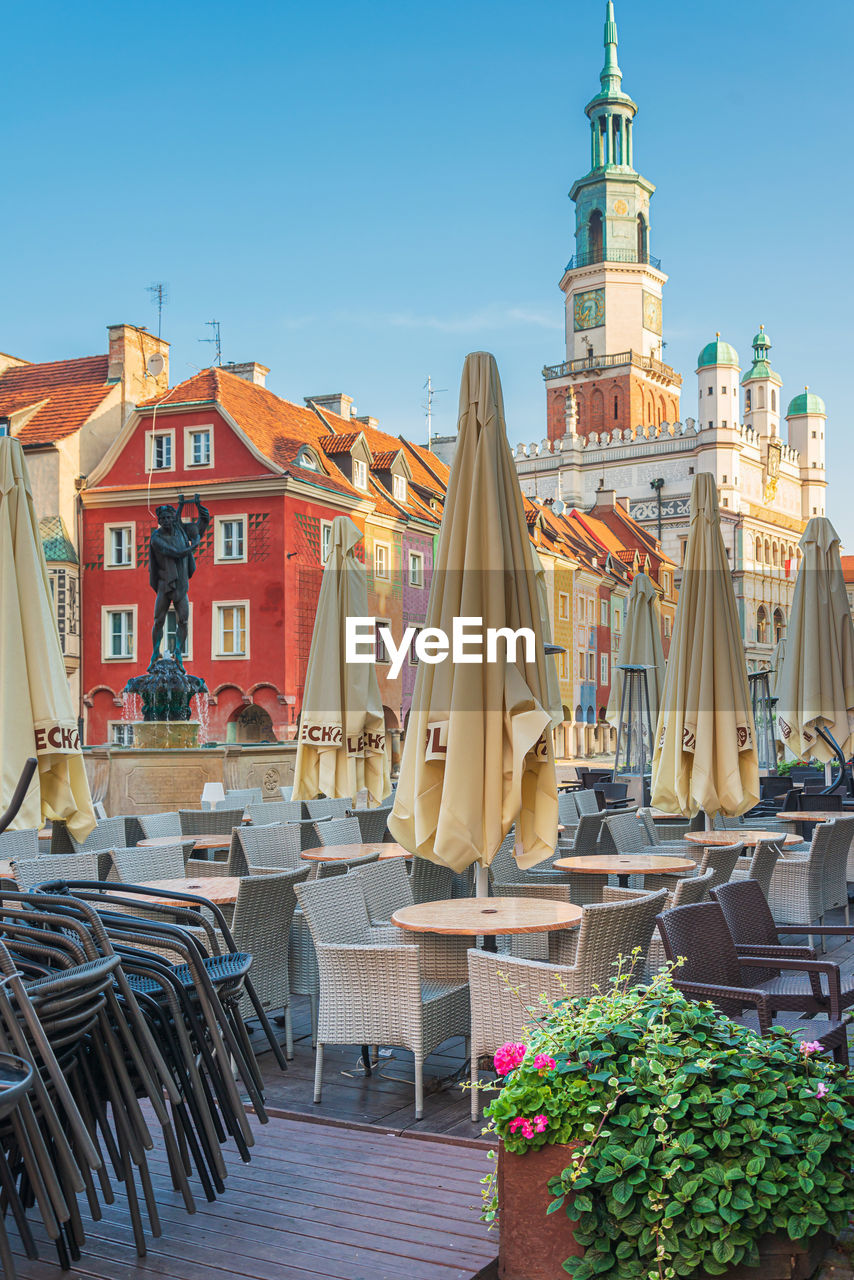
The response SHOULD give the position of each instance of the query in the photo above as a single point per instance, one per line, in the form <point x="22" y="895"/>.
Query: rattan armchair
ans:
<point x="213" y="822"/>
<point x="504" y="988"/>
<point x="386" y="887"/>
<point x="155" y="825"/>
<point x="270" y="848"/>
<point x="378" y="992"/>
<point x="15" y="845"/>
<point x="328" y="807"/>
<point x="241" y="797"/>
<point x="338" y="831"/>
<point x="796" y="892"/>
<point x="30" y="872"/>
<point x="275" y="811"/>
<point x="373" y="824"/>
<point x="138" y="866"/>
<point x="760" y="866"/>
<point x="586" y="801"/>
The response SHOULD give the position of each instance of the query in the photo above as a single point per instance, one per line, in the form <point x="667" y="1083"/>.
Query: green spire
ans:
<point x="611" y="76"/>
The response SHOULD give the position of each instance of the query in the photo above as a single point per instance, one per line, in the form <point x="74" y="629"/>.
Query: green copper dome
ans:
<point x="806" y="402"/>
<point x="717" y="352"/>
<point x="761" y="340"/>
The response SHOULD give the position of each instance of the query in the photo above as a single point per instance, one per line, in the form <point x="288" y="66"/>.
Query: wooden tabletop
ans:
<point x="744" y="835"/>
<point x="199" y="842"/>
<point x="819" y="815"/>
<point x="624" y="864"/>
<point x="343" y="852"/>
<point x="469" y="917"/>
<point x="221" y="890"/>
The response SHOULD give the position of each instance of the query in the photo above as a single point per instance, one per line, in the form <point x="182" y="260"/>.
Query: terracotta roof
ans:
<point x="847" y="568"/>
<point x="339" y="444"/>
<point x="384" y="460"/>
<point x="68" y="391"/>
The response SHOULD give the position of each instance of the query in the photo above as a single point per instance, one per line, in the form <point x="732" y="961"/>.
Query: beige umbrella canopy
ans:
<point x="554" y="703"/>
<point x="777" y="668"/>
<point x="640" y="646"/>
<point x="478" y="755"/>
<point x="342" y="740"/>
<point x="705" y="755"/>
<point x="815" y="688"/>
<point x="36" y="713"/>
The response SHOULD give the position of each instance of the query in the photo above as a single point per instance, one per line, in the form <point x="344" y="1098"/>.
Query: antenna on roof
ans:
<point x="216" y="339"/>
<point x="159" y="296"/>
<point x="428" y="405"/>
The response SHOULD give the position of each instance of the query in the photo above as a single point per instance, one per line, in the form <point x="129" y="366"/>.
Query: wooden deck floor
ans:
<point x="315" y="1201"/>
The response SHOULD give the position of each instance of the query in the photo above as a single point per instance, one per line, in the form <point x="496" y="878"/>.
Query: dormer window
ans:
<point x="307" y="460"/>
<point x="398" y="488"/>
<point x="360" y="473"/>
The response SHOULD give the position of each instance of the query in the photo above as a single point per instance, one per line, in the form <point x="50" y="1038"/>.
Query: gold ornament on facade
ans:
<point x="772" y="469"/>
<point x="620" y="207"/>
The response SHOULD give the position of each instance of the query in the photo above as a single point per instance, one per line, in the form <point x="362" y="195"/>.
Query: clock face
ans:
<point x="651" y="312"/>
<point x="620" y="207"/>
<point x="589" y="309"/>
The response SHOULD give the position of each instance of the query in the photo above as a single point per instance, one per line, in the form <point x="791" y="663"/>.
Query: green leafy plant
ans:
<point x="698" y="1136"/>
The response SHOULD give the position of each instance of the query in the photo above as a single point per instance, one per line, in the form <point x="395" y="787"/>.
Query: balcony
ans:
<point x="592" y="256"/>
<point x="594" y="363"/>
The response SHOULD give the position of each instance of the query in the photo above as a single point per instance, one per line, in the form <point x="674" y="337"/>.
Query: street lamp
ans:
<point x="763" y="719"/>
<point x="633" y="757"/>
<point x="658" y="485"/>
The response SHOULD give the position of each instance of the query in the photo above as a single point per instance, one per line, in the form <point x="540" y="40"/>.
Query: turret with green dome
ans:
<point x="717" y="353"/>
<point x="807" y="402"/>
<point x="761" y="369"/>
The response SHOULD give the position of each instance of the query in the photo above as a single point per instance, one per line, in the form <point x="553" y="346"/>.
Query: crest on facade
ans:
<point x="772" y="469"/>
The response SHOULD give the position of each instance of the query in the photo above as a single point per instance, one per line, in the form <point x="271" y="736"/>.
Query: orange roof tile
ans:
<point x="339" y="444"/>
<point x="70" y="389"/>
<point x="384" y="460"/>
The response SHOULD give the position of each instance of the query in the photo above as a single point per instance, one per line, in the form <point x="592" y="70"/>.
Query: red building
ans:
<point x="273" y="476"/>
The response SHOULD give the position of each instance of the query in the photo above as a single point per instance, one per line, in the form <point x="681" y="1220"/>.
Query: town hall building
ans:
<point x="613" y="418"/>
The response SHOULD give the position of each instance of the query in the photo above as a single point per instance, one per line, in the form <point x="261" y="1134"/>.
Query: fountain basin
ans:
<point x="159" y="735"/>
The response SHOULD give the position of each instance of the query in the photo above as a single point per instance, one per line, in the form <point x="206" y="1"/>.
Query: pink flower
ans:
<point x="810" y="1046"/>
<point x="540" y="1124"/>
<point x="821" y="1090"/>
<point x="525" y="1126"/>
<point x="543" y="1062"/>
<point x="507" y="1057"/>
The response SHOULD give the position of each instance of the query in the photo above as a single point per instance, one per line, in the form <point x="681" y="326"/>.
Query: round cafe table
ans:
<point x="470" y="917"/>
<point x="221" y="890"/>
<point x="222" y="841"/>
<point x="744" y="835"/>
<point x="819" y="815"/>
<point x="623" y="865"/>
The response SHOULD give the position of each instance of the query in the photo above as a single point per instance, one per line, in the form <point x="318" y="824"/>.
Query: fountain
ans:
<point x="166" y="689"/>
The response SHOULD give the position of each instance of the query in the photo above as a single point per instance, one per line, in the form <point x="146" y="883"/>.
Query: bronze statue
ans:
<point x="170" y="567"/>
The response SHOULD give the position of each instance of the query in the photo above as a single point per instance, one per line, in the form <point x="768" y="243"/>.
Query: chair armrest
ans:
<point x="713" y="991"/>
<point x="783" y="953"/>
<point x="613" y="893"/>
<point x="826" y="967"/>
<point x="847" y="930"/>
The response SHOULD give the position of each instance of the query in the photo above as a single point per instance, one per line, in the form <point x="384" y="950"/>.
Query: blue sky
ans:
<point x="363" y="193"/>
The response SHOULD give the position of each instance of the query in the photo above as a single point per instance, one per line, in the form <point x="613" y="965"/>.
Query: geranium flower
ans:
<point x="543" y="1062"/>
<point x="527" y="1129"/>
<point x="508" y="1057"/>
<point x="540" y="1123"/>
<point x="810" y="1046"/>
<point x="821" y="1090"/>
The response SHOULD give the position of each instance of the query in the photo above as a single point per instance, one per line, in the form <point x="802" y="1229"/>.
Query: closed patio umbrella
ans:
<point x="815" y="688"/>
<point x="705" y="754"/>
<point x="478" y="756"/>
<point x="554" y="704"/>
<point x="777" y="668"/>
<point x="640" y="646"/>
<point x="342" y="740"/>
<point x="37" y="717"/>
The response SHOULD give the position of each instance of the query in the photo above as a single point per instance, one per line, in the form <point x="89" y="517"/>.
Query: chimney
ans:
<point x="606" y="498"/>
<point x="365" y="419"/>
<point x="338" y="403"/>
<point x="10" y="362"/>
<point x="130" y="350"/>
<point x="250" y="371"/>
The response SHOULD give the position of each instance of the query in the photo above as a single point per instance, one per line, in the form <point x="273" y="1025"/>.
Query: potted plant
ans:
<point x="646" y="1137"/>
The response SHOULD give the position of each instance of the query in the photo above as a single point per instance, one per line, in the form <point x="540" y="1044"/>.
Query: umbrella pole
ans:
<point x="481" y="881"/>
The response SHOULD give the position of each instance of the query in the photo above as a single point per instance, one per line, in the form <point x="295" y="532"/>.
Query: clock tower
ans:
<point x="612" y="285"/>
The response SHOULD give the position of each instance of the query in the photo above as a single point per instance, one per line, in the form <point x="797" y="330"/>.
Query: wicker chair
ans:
<point x="836" y="871"/>
<point x="713" y="969"/>
<point x="338" y="831"/>
<point x="155" y="825"/>
<point x="759" y="867"/>
<point x="241" y="797"/>
<point x="377" y="992"/>
<point x="260" y="925"/>
<point x="287" y="793"/>
<point x="138" y="866"/>
<point x="16" y="845"/>
<point x="59" y="866"/>
<point x="275" y="811"/>
<point x="271" y="848"/>
<point x="567" y="809"/>
<point x="498" y="981"/>
<point x="373" y="825"/>
<point x="623" y="833"/>
<point x="586" y="801"/>
<point x="386" y="886"/>
<point x="214" y="822"/>
<point x="430" y="881"/>
<point x="796" y="892"/>
<point x="328" y="808"/>
<point x="585" y="839"/>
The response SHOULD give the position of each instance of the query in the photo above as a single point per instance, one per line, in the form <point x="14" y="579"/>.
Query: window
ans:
<point x="119" y="548"/>
<point x="591" y="667"/>
<point x="381" y="560"/>
<point x="723" y="424"/>
<point x="121" y="734"/>
<point x="562" y="667"/>
<point x="813" y="435"/>
<point x="591" y="611"/>
<point x="563" y="606"/>
<point x="603" y="613"/>
<point x="747" y="402"/>
<point x="711" y="425"/>
<point x="605" y="669"/>
<point x="118" y="638"/>
<point x="690" y="471"/>
<point x="666" y="583"/>
<point x="230" y="538"/>
<point x="779" y="626"/>
<point x="616" y="407"/>
<point x="398" y="488"/>
<point x="711" y="391"/>
<point x="199" y="451"/>
<point x="360" y="473"/>
<point x="383" y="657"/>
<point x="667" y="628"/>
<point x="413" y="656"/>
<point x="306" y="459"/>
<point x="416" y="569"/>
<point x="231" y="630"/>
<point x="161" y="450"/>
<point x="723" y="391"/>
<point x="773" y="400"/>
<point x="723" y="480"/>
<point x="761" y="625"/>
<point x="4" y="426"/>
<point x="325" y="540"/>
<point x="760" y="397"/>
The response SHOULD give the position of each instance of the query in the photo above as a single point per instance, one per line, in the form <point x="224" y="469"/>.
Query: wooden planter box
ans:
<point x="534" y="1245"/>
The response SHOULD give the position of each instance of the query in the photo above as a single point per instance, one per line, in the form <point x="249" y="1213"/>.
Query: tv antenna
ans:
<point x="159" y="296"/>
<point x="216" y="339"/>
<point x="428" y="405"/>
